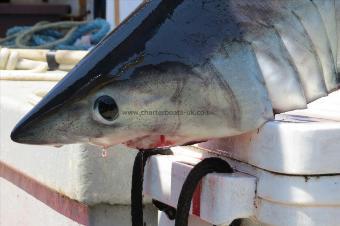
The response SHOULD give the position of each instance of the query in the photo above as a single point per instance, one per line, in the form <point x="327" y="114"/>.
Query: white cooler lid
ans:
<point x="301" y="142"/>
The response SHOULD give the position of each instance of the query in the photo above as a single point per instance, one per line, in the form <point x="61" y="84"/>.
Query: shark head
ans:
<point x="171" y="74"/>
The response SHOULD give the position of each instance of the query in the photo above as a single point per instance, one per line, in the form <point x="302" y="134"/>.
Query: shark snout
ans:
<point x="40" y="130"/>
<point x="25" y="135"/>
<point x="36" y="134"/>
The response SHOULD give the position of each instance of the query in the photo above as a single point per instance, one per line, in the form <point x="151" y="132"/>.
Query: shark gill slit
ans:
<point x="235" y="108"/>
<point x="317" y="57"/>
<point x="329" y="51"/>
<point x="291" y="63"/>
<point x="337" y="38"/>
<point x="327" y="34"/>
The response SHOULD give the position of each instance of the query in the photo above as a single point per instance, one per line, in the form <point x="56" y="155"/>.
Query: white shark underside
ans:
<point x="236" y="62"/>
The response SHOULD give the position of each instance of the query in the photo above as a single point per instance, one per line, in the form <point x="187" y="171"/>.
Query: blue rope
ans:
<point x="97" y="29"/>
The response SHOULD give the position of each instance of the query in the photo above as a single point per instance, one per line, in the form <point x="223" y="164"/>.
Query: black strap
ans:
<point x="51" y="60"/>
<point x="137" y="183"/>
<point x="206" y="166"/>
<point x="168" y="210"/>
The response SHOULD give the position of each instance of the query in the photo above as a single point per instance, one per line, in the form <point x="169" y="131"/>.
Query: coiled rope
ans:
<point x="58" y="35"/>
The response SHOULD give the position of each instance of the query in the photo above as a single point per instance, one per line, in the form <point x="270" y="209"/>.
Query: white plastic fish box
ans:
<point x="287" y="173"/>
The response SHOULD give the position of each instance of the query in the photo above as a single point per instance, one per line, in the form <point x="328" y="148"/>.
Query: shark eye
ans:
<point x="105" y="109"/>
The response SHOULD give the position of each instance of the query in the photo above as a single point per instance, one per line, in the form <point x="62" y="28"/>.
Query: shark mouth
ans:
<point x="149" y="142"/>
<point x="143" y="142"/>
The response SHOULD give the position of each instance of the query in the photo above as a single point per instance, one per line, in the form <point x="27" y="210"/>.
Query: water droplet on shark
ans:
<point x="104" y="152"/>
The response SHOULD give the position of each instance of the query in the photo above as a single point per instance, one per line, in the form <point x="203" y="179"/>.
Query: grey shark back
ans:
<point x="181" y="71"/>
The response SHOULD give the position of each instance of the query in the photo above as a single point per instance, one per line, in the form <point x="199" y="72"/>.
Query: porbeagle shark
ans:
<point x="183" y="71"/>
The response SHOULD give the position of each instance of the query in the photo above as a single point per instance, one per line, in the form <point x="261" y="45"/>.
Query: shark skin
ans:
<point x="304" y="61"/>
<point x="183" y="71"/>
